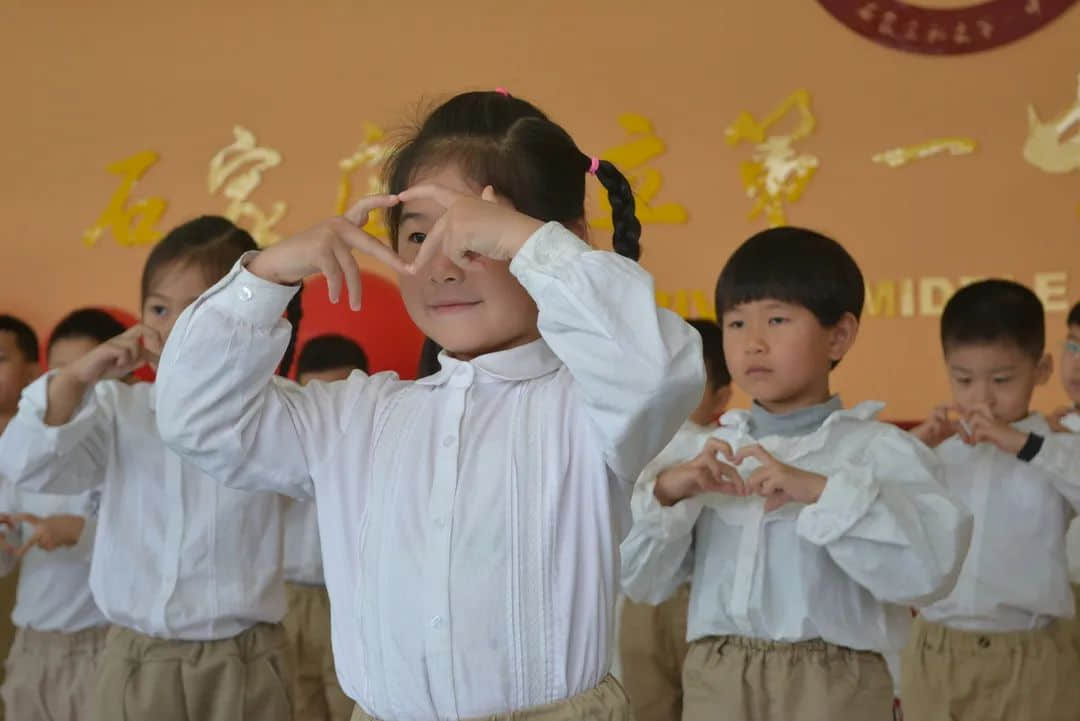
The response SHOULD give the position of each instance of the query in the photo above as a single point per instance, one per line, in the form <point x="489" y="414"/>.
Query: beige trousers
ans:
<point x="318" y="696"/>
<point x="730" y="678"/>
<point x="652" y="649"/>
<point x="244" y="678"/>
<point x="50" y="676"/>
<point x="972" y="676"/>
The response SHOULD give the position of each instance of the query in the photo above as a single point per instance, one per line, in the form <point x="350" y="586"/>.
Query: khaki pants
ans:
<point x="244" y="678"/>
<point x="972" y="676"/>
<point x="652" y="649"/>
<point x="606" y="702"/>
<point x="318" y="696"/>
<point x="50" y="676"/>
<point x="729" y="678"/>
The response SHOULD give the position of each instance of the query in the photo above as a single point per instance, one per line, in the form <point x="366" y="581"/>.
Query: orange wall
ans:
<point x="85" y="87"/>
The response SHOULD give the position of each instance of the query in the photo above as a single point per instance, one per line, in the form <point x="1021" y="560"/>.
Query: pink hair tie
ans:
<point x="594" y="165"/>
<point x="503" y="92"/>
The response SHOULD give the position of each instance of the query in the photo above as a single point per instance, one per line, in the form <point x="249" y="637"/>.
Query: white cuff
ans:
<point x="847" y="497"/>
<point x="550" y="247"/>
<point x="248" y="298"/>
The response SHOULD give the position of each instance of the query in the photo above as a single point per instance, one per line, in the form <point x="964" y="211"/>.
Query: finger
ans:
<point x="756" y="481"/>
<point x="776" y="500"/>
<point x="754" y="451"/>
<point x="358" y="214"/>
<point x="429" y="191"/>
<point x="431" y="246"/>
<point x="716" y="447"/>
<point x="488" y="194"/>
<point x="360" y="240"/>
<point x="152" y="341"/>
<point x="351" y="272"/>
<point x="30" y="543"/>
<point x="330" y="267"/>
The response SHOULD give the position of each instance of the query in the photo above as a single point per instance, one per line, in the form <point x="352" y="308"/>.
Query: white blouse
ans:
<point x="883" y="535"/>
<point x="470" y="521"/>
<point x="176" y="555"/>
<point x="53" y="593"/>
<point x="1015" y="577"/>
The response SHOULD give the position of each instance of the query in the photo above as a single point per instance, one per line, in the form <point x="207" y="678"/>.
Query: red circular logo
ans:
<point x="945" y="31"/>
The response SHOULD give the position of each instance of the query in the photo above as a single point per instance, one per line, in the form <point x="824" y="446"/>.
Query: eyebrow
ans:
<point x="999" y="369"/>
<point x="412" y="215"/>
<point x="162" y="296"/>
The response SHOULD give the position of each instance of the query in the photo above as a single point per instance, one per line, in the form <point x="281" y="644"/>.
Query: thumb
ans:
<point x="488" y="194"/>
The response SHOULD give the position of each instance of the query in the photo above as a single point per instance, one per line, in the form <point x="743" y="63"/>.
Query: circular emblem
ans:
<point x="945" y="31"/>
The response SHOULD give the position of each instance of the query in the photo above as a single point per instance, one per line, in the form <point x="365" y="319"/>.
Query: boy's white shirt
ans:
<point x="1015" y="577"/>
<point x="53" y="592"/>
<point x="470" y="520"/>
<point x="883" y="536"/>
<point x="176" y="555"/>
<point x="303" y="556"/>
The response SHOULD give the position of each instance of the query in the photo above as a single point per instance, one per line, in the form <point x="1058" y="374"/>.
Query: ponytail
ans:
<point x="626" y="236"/>
<point x="293" y="313"/>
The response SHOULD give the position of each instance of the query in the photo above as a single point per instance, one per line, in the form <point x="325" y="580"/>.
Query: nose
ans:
<point x="443" y="270"/>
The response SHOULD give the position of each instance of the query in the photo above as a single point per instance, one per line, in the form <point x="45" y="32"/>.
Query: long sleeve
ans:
<point x="66" y="459"/>
<point x="1059" y="458"/>
<point x="639" y="368"/>
<point x="221" y="407"/>
<point x="888" y="522"/>
<point x="661" y="537"/>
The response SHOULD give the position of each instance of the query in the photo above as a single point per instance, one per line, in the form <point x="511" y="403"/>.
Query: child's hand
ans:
<point x="327" y="249"/>
<point x="704" y="474"/>
<point x="471" y="226"/>
<point x="117" y="357"/>
<point x="780" y="483"/>
<point x="50" y="533"/>
<point x="980" y="426"/>
<point x="1055" y="419"/>
<point x="937" y="428"/>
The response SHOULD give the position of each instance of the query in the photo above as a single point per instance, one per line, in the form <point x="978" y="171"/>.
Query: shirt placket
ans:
<point x="437" y="643"/>
<point x="174" y="523"/>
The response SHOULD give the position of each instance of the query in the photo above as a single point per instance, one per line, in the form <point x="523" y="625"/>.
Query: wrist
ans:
<point x="258" y="265"/>
<point x="73" y="379"/>
<point x="816" y="484"/>
<point x="1032" y="445"/>
<point x="1016" y="441"/>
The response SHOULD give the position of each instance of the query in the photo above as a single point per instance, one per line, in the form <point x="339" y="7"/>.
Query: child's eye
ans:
<point x="159" y="310"/>
<point x="1002" y="380"/>
<point x="417" y="237"/>
<point x="735" y="324"/>
<point x="777" y="320"/>
<point x="963" y="381"/>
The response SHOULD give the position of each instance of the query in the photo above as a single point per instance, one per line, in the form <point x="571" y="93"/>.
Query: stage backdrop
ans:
<point x="932" y="164"/>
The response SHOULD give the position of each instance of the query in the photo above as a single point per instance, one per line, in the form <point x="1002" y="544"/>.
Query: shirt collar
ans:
<point x="521" y="363"/>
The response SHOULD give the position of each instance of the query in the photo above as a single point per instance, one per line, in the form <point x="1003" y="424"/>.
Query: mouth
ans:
<point x="758" y="371"/>
<point x="451" y="307"/>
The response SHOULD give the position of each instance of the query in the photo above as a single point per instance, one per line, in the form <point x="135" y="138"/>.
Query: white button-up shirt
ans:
<point x="883" y="535"/>
<point x="1015" y="577"/>
<point x="303" y="557"/>
<point x="470" y="521"/>
<point x="176" y="555"/>
<point x="53" y="593"/>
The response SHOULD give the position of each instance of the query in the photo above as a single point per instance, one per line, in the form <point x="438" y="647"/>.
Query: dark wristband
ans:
<point x="1031" y="448"/>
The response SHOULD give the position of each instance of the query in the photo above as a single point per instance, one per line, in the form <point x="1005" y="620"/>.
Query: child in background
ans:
<point x="813" y="528"/>
<point x="189" y="573"/>
<point x="470" y="520"/>
<point x="995" y="647"/>
<point x="652" y="637"/>
<point x="52" y="668"/>
<point x="318" y="697"/>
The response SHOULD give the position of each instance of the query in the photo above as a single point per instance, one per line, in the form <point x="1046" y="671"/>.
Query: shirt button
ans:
<point x="984" y="642"/>
<point x="246" y="293"/>
<point x="448" y="441"/>
<point x="436" y="622"/>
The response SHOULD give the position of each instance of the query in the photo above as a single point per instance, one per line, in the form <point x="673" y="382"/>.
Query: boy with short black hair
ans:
<point x="996" y="646"/>
<point x="652" y="637"/>
<point x="812" y="527"/>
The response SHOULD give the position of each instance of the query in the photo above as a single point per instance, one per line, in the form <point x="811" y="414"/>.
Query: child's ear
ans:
<point x="1044" y="369"/>
<point x="843" y="336"/>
